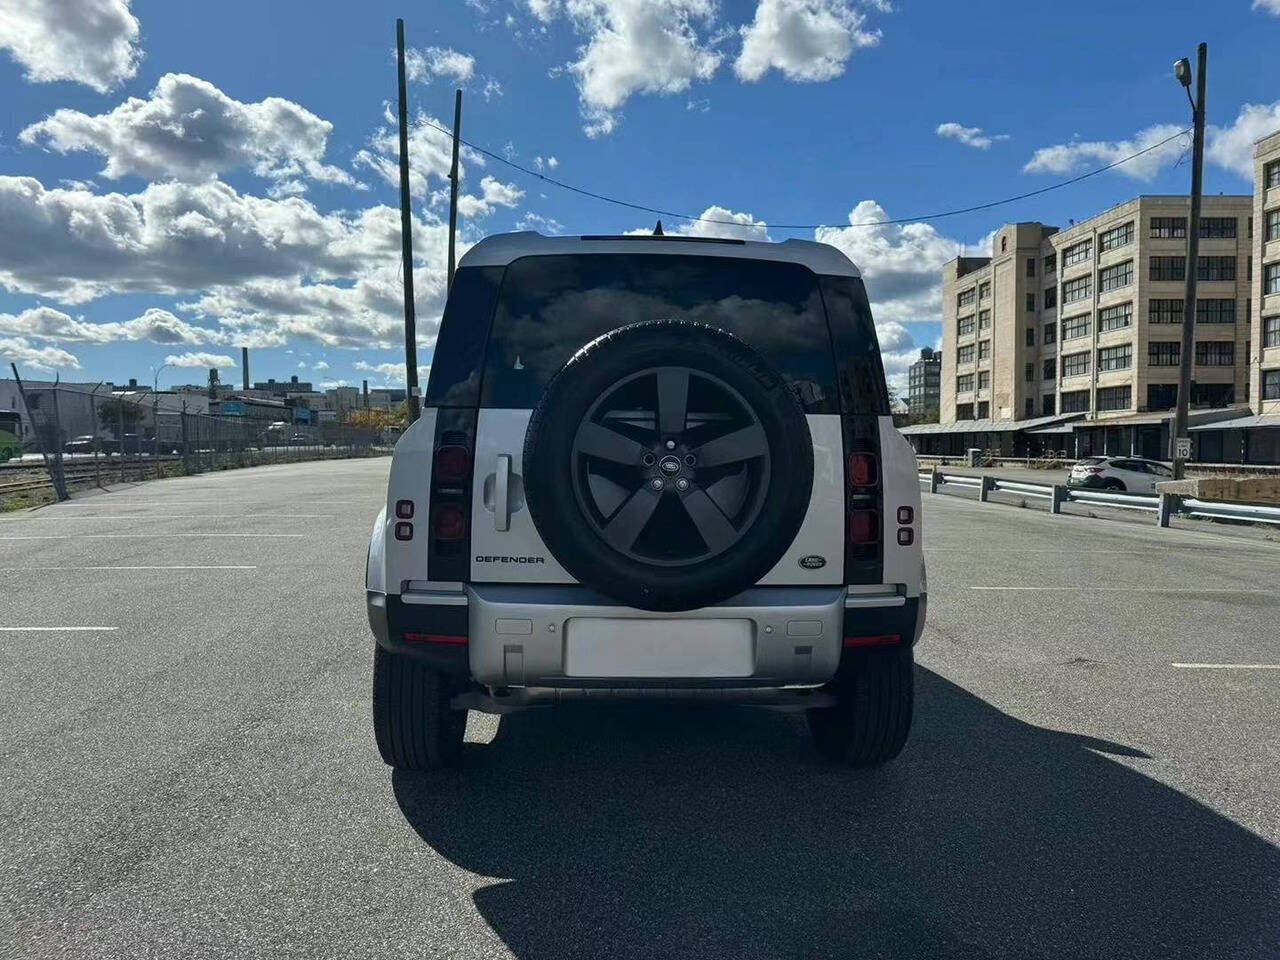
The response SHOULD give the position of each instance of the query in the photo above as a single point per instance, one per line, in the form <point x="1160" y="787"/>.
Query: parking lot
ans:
<point x="189" y="768"/>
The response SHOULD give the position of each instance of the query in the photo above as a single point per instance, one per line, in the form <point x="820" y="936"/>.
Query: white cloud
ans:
<point x="156" y="325"/>
<point x="969" y="136"/>
<point x="633" y="46"/>
<point x="430" y="153"/>
<point x="427" y="64"/>
<point x="18" y="350"/>
<point x="493" y="193"/>
<point x="533" y="221"/>
<point x="93" y="42"/>
<point x="807" y="40"/>
<point x="390" y="372"/>
<point x="545" y="163"/>
<point x="1070" y="157"/>
<point x="739" y="226"/>
<point x="199" y="360"/>
<point x="320" y="365"/>
<point x="1268" y="6"/>
<point x="901" y="264"/>
<point x="187" y="129"/>
<point x="1232" y="147"/>
<point x="492" y="88"/>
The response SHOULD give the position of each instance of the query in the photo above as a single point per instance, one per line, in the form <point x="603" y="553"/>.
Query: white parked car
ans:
<point x="1130" y="474"/>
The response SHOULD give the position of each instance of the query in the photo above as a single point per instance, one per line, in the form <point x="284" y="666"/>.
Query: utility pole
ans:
<point x="1181" y="440"/>
<point x="453" y="181"/>
<point x="406" y="242"/>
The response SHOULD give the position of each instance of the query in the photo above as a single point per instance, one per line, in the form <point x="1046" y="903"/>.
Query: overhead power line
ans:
<point x="645" y="208"/>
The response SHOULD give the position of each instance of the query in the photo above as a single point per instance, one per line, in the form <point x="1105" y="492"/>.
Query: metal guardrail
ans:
<point x="1164" y="505"/>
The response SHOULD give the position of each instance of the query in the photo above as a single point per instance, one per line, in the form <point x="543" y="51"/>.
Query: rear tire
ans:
<point x="1114" y="484"/>
<point x="414" y="724"/>
<point x="869" y="723"/>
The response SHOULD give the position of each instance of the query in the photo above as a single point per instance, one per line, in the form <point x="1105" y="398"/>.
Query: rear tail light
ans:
<point x="449" y="546"/>
<point x="875" y="640"/>
<point x="447" y="638"/>
<point x="862" y="470"/>
<point x="864" y="527"/>
<point x="449" y="523"/>
<point x="404" y="509"/>
<point x="452" y="464"/>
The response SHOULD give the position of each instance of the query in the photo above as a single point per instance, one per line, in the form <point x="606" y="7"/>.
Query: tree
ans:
<point x="113" y="413"/>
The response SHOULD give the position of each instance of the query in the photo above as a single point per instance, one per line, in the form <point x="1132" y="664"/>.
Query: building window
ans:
<point x="1049" y="372"/>
<point x="964" y="383"/>
<point x="1029" y="408"/>
<point x="1167" y="228"/>
<point x="1073" y="328"/>
<point x="984" y="319"/>
<point x="1217" y="228"/>
<point x="1115" y="237"/>
<point x="1168" y="268"/>
<point x="1029" y="372"/>
<point x="965" y="354"/>
<point x="964" y="327"/>
<point x="1077" y="289"/>
<point x="1113" y="278"/>
<point x="1271" y="384"/>
<point x="1215" y="353"/>
<point x="1031" y="303"/>
<point x="1271" y="331"/>
<point x="1271" y="174"/>
<point x="1077" y="253"/>
<point x="1273" y="225"/>
<point x="1212" y="394"/>
<point x="1051" y="263"/>
<point x="1115" y="398"/>
<point x="1164" y="353"/>
<point x="1162" y="396"/>
<point x="984" y="379"/>
<point x="1271" y="278"/>
<point x="1164" y="311"/>
<point x="1075" y="364"/>
<point x="1076" y="401"/>
<point x="964" y="411"/>
<point x="1050" y="298"/>
<point x="984" y="349"/>
<point x="1047" y="404"/>
<point x="1031" y="266"/>
<point x="1115" y="358"/>
<point x="1004" y="244"/>
<point x="964" y="299"/>
<point x="1216" y="268"/>
<point x="984" y="290"/>
<point x="1115" y="318"/>
<point x="1050" y="333"/>
<point x="1215" y="311"/>
<point x="984" y="409"/>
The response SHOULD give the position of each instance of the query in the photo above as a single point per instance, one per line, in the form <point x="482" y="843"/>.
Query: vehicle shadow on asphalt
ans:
<point x="718" y="832"/>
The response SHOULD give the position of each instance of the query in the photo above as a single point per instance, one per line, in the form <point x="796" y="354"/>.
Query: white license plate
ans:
<point x="675" y="649"/>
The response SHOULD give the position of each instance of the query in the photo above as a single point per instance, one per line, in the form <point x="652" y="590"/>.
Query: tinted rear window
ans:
<point x="459" y="350"/>
<point x="550" y="307"/>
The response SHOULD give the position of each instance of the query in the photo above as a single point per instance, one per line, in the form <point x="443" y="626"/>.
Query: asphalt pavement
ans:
<point x="189" y="769"/>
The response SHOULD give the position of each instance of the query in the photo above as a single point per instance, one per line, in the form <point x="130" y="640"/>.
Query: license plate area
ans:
<point x="623" y="648"/>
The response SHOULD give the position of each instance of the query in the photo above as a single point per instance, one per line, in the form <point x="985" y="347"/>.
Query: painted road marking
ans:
<point x="1226" y="666"/>
<point x="154" y="536"/>
<point x="221" y="566"/>
<point x="1162" y="591"/>
<point x="57" y="629"/>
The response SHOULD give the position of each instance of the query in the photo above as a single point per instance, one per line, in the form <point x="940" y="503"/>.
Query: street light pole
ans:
<point x="1181" y="441"/>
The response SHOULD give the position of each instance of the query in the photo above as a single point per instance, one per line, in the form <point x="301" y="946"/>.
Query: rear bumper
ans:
<point x="506" y="636"/>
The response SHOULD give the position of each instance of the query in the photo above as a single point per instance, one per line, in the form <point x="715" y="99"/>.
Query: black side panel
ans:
<point x="403" y="618"/>
<point x="863" y="562"/>
<point x="464" y="329"/>
<point x="859" y="372"/>
<point x="450" y="559"/>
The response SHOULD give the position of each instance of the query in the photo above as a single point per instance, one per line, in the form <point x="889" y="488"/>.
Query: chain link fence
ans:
<point x="76" y="438"/>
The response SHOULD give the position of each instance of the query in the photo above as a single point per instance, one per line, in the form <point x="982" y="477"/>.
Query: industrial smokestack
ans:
<point x="366" y="394"/>
<point x="244" y="364"/>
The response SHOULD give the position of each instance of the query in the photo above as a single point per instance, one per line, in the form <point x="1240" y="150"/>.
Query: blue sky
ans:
<point x="180" y="179"/>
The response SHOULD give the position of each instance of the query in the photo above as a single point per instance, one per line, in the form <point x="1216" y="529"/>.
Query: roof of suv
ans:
<point x="502" y="248"/>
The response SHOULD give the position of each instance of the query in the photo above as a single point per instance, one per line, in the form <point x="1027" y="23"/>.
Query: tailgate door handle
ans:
<point x="502" y="493"/>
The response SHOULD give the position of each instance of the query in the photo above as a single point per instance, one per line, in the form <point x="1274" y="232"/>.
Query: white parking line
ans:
<point x="1157" y="591"/>
<point x="155" y="536"/>
<point x="220" y="566"/>
<point x="1226" y="666"/>
<point x="57" y="629"/>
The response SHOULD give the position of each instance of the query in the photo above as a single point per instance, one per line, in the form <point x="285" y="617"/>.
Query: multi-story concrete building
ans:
<point x="1264" y="370"/>
<point x="924" y="380"/>
<point x="1085" y="323"/>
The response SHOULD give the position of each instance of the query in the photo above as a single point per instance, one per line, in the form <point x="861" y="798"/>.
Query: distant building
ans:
<point x="924" y="386"/>
<point x="282" y="388"/>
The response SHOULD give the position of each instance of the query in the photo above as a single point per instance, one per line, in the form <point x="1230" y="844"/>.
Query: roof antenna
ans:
<point x="657" y="229"/>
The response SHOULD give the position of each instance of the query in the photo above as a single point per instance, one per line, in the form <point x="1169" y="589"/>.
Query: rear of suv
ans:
<point x="649" y="468"/>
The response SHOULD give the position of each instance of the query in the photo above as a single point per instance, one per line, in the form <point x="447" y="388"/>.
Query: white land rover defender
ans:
<point x="649" y="467"/>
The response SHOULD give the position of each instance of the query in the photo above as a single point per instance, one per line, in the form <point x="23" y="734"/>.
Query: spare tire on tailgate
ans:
<point x="668" y="465"/>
